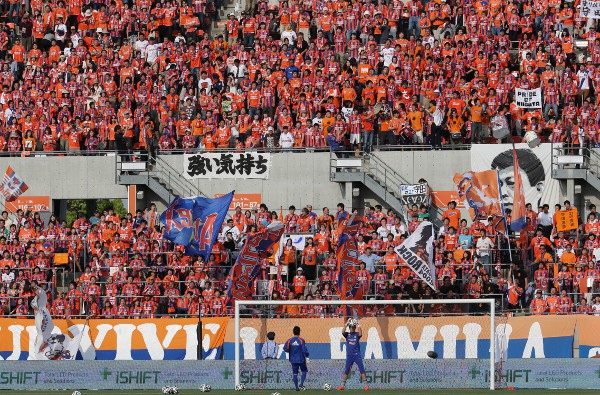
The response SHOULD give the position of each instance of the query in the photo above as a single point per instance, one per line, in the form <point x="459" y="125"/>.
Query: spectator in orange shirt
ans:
<point x="538" y="305"/>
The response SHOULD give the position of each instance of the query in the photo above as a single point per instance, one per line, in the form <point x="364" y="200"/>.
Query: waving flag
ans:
<point x="481" y="192"/>
<point x="417" y="252"/>
<point x="195" y="222"/>
<point x="48" y="344"/>
<point x="248" y="264"/>
<point x="12" y="185"/>
<point x="519" y="216"/>
<point x="347" y="260"/>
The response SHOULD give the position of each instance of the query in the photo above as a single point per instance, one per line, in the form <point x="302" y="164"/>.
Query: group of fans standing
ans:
<point x="155" y="75"/>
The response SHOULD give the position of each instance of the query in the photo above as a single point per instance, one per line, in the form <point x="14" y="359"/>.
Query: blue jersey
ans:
<point x="296" y="348"/>
<point x="352" y="343"/>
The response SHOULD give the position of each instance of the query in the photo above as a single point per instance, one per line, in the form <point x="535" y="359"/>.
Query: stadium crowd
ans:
<point x="124" y="268"/>
<point x="154" y="75"/>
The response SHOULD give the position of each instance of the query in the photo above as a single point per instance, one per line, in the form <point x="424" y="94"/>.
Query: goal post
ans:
<point x="458" y="340"/>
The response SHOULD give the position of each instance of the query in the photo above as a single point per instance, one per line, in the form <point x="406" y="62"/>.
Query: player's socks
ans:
<point x="302" y="378"/>
<point x="296" y="381"/>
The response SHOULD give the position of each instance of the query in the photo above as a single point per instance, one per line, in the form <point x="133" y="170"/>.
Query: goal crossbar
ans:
<point x="490" y="302"/>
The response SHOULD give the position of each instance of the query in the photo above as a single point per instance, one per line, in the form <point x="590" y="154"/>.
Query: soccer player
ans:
<point x="296" y="348"/>
<point x="353" y="333"/>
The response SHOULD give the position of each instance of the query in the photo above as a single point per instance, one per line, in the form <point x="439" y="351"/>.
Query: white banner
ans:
<point x="227" y="165"/>
<point x="48" y="344"/>
<point x="415" y="194"/>
<point x="536" y="171"/>
<point x="531" y="98"/>
<point x="589" y="9"/>
<point x="417" y="252"/>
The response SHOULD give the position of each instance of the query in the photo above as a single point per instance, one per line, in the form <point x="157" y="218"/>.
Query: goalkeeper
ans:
<point x="352" y="333"/>
<point x="296" y="348"/>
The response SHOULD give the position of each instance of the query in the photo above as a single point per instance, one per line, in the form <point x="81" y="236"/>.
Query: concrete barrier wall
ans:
<point x="295" y="178"/>
<point x="68" y="177"/>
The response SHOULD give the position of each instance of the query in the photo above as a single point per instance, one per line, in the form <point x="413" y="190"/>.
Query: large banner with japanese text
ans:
<point x="227" y="165"/>
<point x="589" y="9"/>
<point x="415" y="194"/>
<point x="566" y="220"/>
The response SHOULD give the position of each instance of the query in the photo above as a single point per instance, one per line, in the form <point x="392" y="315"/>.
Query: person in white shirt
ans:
<point x="270" y="349"/>
<point x="230" y="227"/>
<point x="544" y="220"/>
<point x="75" y="37"/>
<point x="237" y="71"/>
<point x="383" y="229"/>
<point x="140" y="45"/>
<point x="583" y="76"/>
<point x="153" y="51"/>
<point x="484" y="250"/>
<point x="179" y="39"/>
<point x="7" y="276"/>
<point x="60" y="31"/>
<point x="286" y="139"/>
<point x="388" y="53"/>
<point x="290" y="35"/>
<point x="205" y="83"/>
<point x="596" y="306"/>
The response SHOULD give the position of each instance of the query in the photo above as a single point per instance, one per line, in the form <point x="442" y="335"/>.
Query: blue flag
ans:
<point x="195" y="222"/>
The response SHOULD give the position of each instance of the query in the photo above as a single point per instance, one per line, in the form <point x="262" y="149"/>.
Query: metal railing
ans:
<point x="381" y="172"/>
<point x="180" y="151"/>
<point x="161" y="171"/>
<point x="575" y="156"/>
<point x="176" y="181"/>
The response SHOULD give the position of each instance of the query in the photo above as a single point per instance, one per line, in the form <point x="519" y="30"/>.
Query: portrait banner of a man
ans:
<point x="535" y="167"/>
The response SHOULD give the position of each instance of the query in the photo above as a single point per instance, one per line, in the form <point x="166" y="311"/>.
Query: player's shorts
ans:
<point x="354" y="138"/>
<point x="357" y="359"/>
<point x="299" y="366"/>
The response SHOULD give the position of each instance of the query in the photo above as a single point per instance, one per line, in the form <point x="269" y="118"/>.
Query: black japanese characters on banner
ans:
<point x="227" y="165"/>
<point x="415" y="194"/>
<point x="590" y="9"/>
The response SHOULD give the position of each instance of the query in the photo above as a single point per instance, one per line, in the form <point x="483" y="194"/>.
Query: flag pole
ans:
<point x="506" y="230"/>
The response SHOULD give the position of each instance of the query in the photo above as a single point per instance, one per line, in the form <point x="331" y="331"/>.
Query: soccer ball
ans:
<point x="174" y="390"/>
<point x="240" y="387"/>
<point x="166" y="390"/>
<point x="275" y="393"/>
<point x="205" y="388"/>
<point x="76" y="393"/>
<point x="327" y="387"/>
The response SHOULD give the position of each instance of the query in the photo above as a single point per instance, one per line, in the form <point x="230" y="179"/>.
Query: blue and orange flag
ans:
<point x="347" y="259"/>
<point x="248" y="264"/>
<point x="519" y="215"/>
<point x="195" y="222"/>
<point x="12" y="186"/>
<point x="481" y="192"/>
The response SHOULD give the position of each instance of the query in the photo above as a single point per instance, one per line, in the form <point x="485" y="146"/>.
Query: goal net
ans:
<point x="405" y="344"/>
